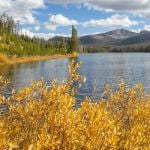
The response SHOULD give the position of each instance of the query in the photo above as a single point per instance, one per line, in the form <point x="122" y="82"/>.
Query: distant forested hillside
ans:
<point x="119" y="40"/>
<point x="12" y="43"/>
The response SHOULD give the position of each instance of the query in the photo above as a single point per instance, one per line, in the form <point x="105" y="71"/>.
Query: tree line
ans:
<point x="143" y="47"/>
<point x="12" y="42"/>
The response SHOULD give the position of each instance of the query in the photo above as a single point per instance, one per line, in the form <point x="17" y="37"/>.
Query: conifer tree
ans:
<point x="73" y="44"/>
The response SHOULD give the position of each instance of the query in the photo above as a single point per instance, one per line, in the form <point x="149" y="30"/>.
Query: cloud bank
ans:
<point x="115" y="21"/>
<point x="138" y="7"/>
<point x="59" y="20"/>
<point x="22" y="10"/>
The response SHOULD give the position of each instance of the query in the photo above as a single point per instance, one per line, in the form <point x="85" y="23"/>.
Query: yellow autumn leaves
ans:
<point x="45" y="118"/>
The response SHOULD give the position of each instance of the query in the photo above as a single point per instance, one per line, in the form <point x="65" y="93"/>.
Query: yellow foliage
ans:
<point x="43" y="118"/>
<point x="4" y="46"/>
<point x="74" y="54"/>
<point x="3" y="58"/>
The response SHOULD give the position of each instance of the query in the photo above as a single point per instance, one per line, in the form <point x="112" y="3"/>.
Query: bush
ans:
<point x="75" y="54"/>
<point x="45" y="118"/>
<point x="3" y="58"/>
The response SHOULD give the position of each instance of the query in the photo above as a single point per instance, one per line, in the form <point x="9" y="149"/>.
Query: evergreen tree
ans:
<point x="73" y="44"/>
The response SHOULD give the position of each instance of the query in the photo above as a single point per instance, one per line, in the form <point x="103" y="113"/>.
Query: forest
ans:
<point x="12" y="43"/>
<point x="145" y="47"/>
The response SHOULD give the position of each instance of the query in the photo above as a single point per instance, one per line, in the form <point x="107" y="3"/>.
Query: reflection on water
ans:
<point x="100" y="69"/>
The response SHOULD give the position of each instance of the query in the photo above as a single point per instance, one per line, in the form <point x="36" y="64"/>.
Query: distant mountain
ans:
<point x="142" y="37"/>
<point x="114" y="37"/>
<point x="58" y="38"/>
<point x="145" y="32"/>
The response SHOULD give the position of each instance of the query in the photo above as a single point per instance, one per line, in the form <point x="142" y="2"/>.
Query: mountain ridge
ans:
<point x="114" y="37"/>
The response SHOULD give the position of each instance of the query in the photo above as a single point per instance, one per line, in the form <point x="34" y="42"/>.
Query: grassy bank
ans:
<point x="12" y="60"/>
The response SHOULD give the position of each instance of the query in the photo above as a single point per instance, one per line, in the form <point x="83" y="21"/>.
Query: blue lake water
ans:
<point x="100" y="69"/>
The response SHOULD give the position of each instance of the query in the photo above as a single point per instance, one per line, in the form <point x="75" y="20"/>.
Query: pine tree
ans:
<point x="73" y="44"/>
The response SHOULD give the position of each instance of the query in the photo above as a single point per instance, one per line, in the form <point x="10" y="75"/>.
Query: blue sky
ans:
<point x="47" y="18"/>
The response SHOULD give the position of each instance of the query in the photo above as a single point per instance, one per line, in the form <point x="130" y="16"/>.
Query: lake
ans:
<point x="100" y="69"/>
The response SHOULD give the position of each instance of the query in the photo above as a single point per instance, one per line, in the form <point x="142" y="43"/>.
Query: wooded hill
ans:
<point x="12" y="43"/>
<point x="119" y="40"/>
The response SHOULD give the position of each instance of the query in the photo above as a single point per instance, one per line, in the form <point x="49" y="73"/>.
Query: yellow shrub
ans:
<point x="3" y="58"/>
<point x="43" y="118"/>
<point x="75" y="54"/>
<point x="4" y="46"/>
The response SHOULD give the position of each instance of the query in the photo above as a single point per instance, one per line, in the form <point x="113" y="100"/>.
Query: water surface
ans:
<point x="100" y="69"/>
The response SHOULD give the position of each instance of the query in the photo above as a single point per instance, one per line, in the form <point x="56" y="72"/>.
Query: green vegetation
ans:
<point x="12" y="43"/>
<point x="73" y="42"/>
<point x="117" y="49"/>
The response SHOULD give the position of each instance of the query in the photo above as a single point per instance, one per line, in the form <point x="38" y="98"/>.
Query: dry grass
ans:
<point x="15" y="60"/>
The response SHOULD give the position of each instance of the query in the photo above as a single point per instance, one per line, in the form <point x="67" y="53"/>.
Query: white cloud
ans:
<point x="21" y="9"/>
<point x="138" y="7"/>
<point x="137" y="30"/>
<point x="147" y="27"/>
<point x="40" y="35"/>
<point x="114" y="21"/>
<point x="4" y="5"/>
<point x="26" y="32"/>
<point x="64" y="2"/>
<point x="59" y="20"/>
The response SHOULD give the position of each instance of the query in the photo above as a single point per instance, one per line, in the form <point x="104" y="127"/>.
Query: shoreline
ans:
<point x="12" y="61"/>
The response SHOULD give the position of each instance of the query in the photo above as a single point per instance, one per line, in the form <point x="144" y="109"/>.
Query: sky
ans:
<point x="48" y="18"/>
